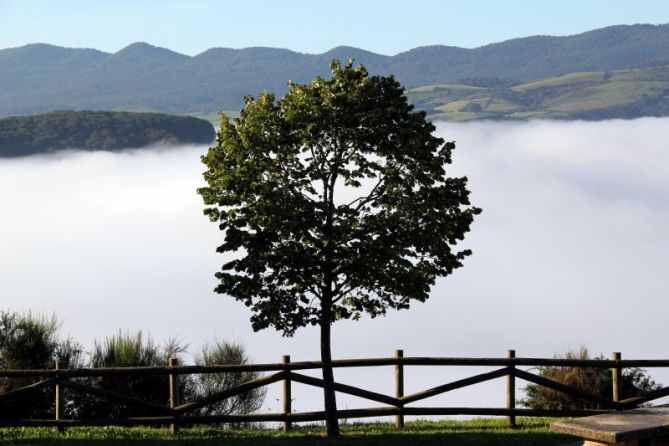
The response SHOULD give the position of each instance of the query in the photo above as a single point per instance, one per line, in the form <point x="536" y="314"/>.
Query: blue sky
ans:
<point x="311" y="26"/>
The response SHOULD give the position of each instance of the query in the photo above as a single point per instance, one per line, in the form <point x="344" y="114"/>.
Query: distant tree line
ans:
<point x="28" y="341"/>
<point x="98" y="130"/>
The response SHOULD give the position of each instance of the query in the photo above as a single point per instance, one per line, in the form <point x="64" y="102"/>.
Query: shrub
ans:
<point x="226" y="353"/>
<point x="28" y="341"/>
<point x="596" y="381"/>
<point x="126" y="350"/>
<point x="32" y="342"/>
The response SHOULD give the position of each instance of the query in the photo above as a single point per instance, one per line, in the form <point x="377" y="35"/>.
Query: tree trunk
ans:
<point x="331" y="421"/>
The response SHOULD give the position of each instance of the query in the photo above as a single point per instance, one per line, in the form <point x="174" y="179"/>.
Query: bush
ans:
<point x="226" y="353"/>
<point x="32" y="342"/>
<point x="126" y="350"/>
<point x="596" y="381"/>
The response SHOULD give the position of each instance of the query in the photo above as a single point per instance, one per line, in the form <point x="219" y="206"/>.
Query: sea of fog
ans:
<point x="571" y="250"/>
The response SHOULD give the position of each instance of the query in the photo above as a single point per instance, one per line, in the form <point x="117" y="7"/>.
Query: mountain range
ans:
<point x="38" y="78"/>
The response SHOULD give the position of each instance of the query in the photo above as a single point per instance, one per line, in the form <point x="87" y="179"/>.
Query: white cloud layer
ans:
<point x="571" y="249"/>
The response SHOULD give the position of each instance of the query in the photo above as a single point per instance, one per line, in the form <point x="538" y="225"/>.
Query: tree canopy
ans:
<point x="335" y="202"/>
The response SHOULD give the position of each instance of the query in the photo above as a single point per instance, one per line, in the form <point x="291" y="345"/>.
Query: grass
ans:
<point x="480" y="432"/>
<point x="452" y="106"/>
<point x="437" y="95"/>
<point x="540" y="114"/>
<point x="660" y="73"/>
<point x="501" y="105"/>
<point x="606" y="95"/>
<point x="572" y="93"/>
<point x="458" y="116"/>
<point x="567" y="79"/>
<point x="453" y="88"/>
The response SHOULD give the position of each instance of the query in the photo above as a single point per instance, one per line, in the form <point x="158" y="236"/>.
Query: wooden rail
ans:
<point x="177" y="412"/>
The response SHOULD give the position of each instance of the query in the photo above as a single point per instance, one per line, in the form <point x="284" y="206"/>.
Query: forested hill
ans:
<point x="94" y="130"/>
<point x="38" y="78"/>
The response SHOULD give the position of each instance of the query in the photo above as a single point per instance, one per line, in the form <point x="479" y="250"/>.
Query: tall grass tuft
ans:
<point x="126" y="350"/>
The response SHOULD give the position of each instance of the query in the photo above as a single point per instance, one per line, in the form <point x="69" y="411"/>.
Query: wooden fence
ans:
<point x="177" y="412"/>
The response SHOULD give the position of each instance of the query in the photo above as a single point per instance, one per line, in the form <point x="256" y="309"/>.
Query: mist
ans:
<point x="570" y="250"/>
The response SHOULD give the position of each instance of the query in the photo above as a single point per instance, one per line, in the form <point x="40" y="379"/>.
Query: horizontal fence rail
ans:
<point x="177" y="412"/>
<point x="312" y="365"/>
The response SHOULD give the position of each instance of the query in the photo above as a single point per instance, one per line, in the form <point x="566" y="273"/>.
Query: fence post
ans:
<point x="511" y="389"/>
<point x="59" y="403"/>
<point x="616" y="378"/>
<point x="399" y="385"/>
<point x="174" y="392"/>
<point x="287" y="397"/>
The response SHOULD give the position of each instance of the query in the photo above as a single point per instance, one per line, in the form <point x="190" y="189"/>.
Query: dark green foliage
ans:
<point x="226" y="353"/>
<point x="596" y="381"/>
<point x="31" y="342"/>
<point x="272" y="182"/>
<point x="126" y="350"/>
<point x="94" y="130"/>
<point x="39" y="78"/>
<point x="27" y="341"/>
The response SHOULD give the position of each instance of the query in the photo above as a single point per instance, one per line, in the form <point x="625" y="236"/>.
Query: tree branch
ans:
<point x="369" y="197"/>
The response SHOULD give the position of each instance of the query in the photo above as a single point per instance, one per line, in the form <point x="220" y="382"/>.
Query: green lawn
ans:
<point x="479" y="432"/>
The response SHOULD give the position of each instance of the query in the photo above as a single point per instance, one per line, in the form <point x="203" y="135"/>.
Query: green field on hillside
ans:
<point x="567" y="79"/>
<point x="587" y="95"/>
<point x="592" y="95"/>
<point x="607" y="94"/>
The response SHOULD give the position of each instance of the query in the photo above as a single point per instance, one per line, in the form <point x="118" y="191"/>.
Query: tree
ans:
<point x="335" y="202"/>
